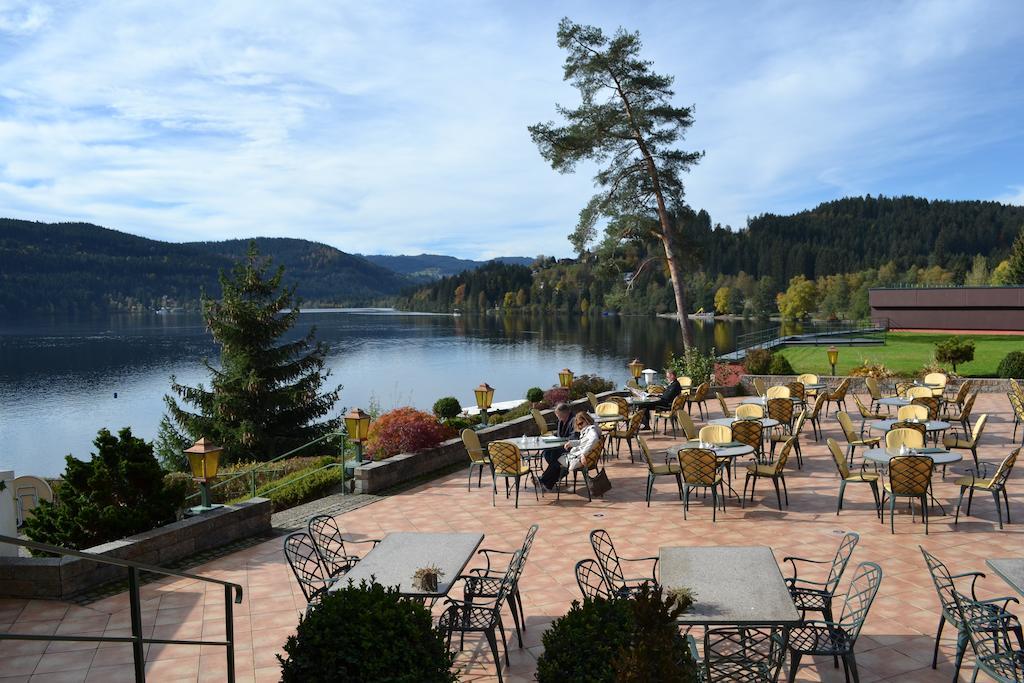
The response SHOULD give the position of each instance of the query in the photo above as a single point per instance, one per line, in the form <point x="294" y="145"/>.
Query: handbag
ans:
<point x="599" y="484"/>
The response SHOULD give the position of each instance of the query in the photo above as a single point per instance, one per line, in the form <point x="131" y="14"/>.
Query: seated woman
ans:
<point x="573" y="452"/>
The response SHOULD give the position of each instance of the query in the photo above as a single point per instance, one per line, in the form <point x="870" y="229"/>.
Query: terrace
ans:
<point x="896" y="643"/>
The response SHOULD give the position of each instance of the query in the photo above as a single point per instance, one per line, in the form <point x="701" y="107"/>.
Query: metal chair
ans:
<point x="929" y="402"/>
<point x="507" y="463"/>
<point x="914" y="411"/>
<point x="874" y="391"/>
<point x="995" y="486"/>
<point x="865" y="414"/>
<point x="611" y="566"/>
<point x="686" y="422"/>
<point x="669" y="416"/>
<point x="914" y="391"/>
<point x="946" y="587"/>
<point x="969" y="444"/>
<point x="963" y="418"/>
<point x="699" y="398"/>
<point x="960" y="398"/>
<point x="591" y="581"/>
<point x="994" y="654"/>
<point x="911" y="437"/>
<point x="781" y="410"/>
<point x="814" y="413"/>
<point x="852" y="438"/>
<point x="750" y="433"/>
<point x="629" y="434"/>
<point x="747" y="654"/>
<point x="837" y="395"/>
<point x="330" y="544"/>
<point x="816" y="596"/>
<point x="701" y="468"/>
<point x="749" y="411"/>
<point x="847" y="477"/>
<point x="302" y="557"/>
<point x="837" y="639"/>
<point x="589" y="462"/>
<point x="658" y="470"/>
<point x="797" y="392"/>
<point x="938" y="378"/>
<point x="760" y="386"/>
<point x="477" y="457"/>
<point x="782" y="436"/>
<point x="724" y="406"/>
<point x="485" y="582"/>
<point x="468" y="616"/>
<point x="542" y="424"/>
<point x="776" y="471"/>
<point x="910" y="476"/>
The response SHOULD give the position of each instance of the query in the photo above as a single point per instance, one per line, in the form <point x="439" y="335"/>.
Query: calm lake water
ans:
<point x="58" y="378"/>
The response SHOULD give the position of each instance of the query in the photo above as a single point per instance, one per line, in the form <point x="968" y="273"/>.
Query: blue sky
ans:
<point x="400" y="127"/>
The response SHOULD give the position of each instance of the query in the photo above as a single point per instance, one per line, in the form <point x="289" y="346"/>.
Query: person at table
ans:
<point x="572" y="453"/>
<point x="565" y="427"/>
<point x="672" y="390"/>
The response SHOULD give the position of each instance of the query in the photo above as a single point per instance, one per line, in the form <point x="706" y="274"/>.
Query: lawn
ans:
<point x="906" y="353"/>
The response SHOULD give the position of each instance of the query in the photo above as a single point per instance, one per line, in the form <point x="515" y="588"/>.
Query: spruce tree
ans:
<point x="265" y="396"/>
<point x="1015" y="272"/>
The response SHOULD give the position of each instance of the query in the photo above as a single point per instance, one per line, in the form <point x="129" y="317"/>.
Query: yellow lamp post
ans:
<point x="204" y="460"/>
<point x="833" y="357"/>
<point x="565" y="378"/>
<point x="357" y="425"/>
<point x="636" y="368"/>
<point x="484" y="395"/>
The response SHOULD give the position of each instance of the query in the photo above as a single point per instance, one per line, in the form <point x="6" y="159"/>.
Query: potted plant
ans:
<point x="427" y="578"/>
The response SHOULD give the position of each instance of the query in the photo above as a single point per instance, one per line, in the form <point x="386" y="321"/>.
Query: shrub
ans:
<point x="758" y="361"/>
<point x="780" y="365"/>
<point x="367" y="632"/>
<point x="229" y="487"/>
<point x="592" y="383"/>
<point x="619" y="640"/>
<point x="954" y="351"/>
<point x="120" y="491"/>
<point x="447" y="408"/>
<point x="1012" y="365"/>
<point x="695" y="364"/>
<point x="556" y="395"/>
<point x="405" y="430"/>
<point x="298" y="488"/>
<point x="460" y="423"/>
<point x="534" y="394"/>
<point x="869" y="369"/>
<point x="521" y="410"/>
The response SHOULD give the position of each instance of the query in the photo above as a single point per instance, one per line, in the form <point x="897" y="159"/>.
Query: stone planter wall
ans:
<point x="64" y="577"/>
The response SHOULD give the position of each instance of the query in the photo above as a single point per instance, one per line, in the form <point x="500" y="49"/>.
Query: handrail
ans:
<point x="232" y="594"/>
<point x="309" y="474"/>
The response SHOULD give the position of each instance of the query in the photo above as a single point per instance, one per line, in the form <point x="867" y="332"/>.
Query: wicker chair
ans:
<point x="929" y="402"/>
<point x="918" y="392"/>
<point x="777" y="392"/>
<point x="782" y="436"/>
<point x="848" y="477"/>
<point x="938" y="378"/>
<point x="670" y="416"/>
<point x="910" y="476"/>
<point x="911" y="437"/>
<point x="507" y="463"/>
<point x="1018" y="413"/>
<point x="750" y="654"/>
<point x="629" y="434"/>
<point x="866" y="414"/>
<point x="701" y="469"/>
<point x="775" y="471"/>
<point x="611" y="566"/>
<point x="329" y="542"/>
<point x="994" y="485"/>
<point x="798" y="393"/>
<point x="477" y="457"/>
<point x="593" y="400"/>
<point x="698" y="397"/>
<point x="781" y="409"/>
<point x="952" y="442"/>
<point x="760" y="386"/>
<point x="960" y="398"/>
<point x="963" y="418"/>
<point x="542" y="424"/>
<point x="750" y="433"/>
<point x="837" y="396"/>
<point x="749" y="411"/>
<point x="852" y="438"/>
<point x="914" y="411"/>
<point x="815" y="413"/>
<point x="655" y="470"/>
<point x="686" y="422"/>
<point x="725" y="406"/>
<point x="591" y="581"/>
<point x="874" y="391"/>
<point x="591" y="461"/>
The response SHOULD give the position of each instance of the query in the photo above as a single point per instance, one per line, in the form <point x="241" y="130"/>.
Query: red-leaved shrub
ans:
<point x="554" y="396"/>
<point x="405" y="430"/>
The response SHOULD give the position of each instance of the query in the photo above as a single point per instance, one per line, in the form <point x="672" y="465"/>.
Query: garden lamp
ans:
<point x="833" y="357"/>
<point x="484" y="396"/>
<point x="635" y="368"/>
<point x="357" y="424"/>
<point x="565" y="378"/>
<point x="203" y="460"/>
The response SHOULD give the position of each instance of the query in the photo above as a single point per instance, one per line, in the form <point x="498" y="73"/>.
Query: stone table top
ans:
<point x="930" y="426"/>
<point x="1010" y="570"/>
<point x="939" y="456"/>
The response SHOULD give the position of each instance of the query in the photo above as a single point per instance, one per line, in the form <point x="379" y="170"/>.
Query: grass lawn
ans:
<point x="905" y="353"/>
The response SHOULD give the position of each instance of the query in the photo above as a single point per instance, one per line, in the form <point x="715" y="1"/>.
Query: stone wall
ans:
<point x="982" y="384"/>
<point x="64" y="577"/>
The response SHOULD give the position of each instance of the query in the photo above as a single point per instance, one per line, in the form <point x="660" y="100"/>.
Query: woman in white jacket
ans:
<point x="572" y="459"/>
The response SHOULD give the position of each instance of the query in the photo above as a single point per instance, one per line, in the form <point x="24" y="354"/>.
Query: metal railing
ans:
<point x="822" y="330"/>
<point x="232" y="595"/>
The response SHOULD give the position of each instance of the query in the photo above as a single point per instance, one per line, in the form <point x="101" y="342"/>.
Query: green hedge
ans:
<point x="297" y="488"/>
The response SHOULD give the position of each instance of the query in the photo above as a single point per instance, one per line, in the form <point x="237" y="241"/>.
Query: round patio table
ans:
<point x="722" y="451"/>
<point x="929" y="385"/>
<point x="894" y="401"/>
<point x="766" y="422"/>
<point x="930" y="426"/>
<point x="646" y="400"/>
<point x="605" y="419"/>
<point x="529" y="444"/>
<point x="939" y="456"/>
<point x="815" y="387"/>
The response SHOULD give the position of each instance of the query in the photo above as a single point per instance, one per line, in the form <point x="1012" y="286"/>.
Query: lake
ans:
<point x="62" y="380"/>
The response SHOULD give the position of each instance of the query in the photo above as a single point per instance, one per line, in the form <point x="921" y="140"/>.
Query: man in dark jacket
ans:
<point x="667" y="397"/>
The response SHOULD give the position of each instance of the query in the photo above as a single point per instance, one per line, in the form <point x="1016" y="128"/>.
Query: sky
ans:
<point x="400" y="127"/>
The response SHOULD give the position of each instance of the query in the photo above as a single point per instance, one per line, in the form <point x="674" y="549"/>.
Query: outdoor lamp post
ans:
<point x="636" y="368"/>
<point x="833" y="356"/>
<point x="565" y="378"/>
<point x="203" y="460"/>
<point x="357" y="424"/>
<point x="484" y="396"/>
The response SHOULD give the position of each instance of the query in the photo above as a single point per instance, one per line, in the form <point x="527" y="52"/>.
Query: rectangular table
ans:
<point x="739" y="586"/>
<point x="397" y="557"/>
<point x="1011" y="570"/>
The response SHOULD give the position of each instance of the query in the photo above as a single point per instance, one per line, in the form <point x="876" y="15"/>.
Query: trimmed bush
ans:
<point x="694" y="364"/>
<point x="1012" y="365"/>
<point x="592" y="383"/>
<point x="534" y="394"/>
<point x="405" y="430"/>
<point x="758" y="362"/>
<point x="954" y="351"/>
<point x="364" y="633"/>
<point x="556" y="395"/>
<point x="619" y="640"/>
<point x="521" y="410"/>
<point x="119" y="492"/>
<point x="447" y="408"/>
<point x="780" y="365"/>
<point x="298" y="488"/>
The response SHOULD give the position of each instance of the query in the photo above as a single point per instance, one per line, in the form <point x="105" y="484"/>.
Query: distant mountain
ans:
<point x="428" y="267"/>
<point x="80" y="268"/>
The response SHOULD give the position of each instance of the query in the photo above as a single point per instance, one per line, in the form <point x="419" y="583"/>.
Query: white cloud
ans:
<point x="1014" y="196"/>
<point x="402" y="127"/>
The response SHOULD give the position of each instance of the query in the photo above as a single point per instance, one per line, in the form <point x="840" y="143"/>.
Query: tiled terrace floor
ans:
<point x="896" y="643"/>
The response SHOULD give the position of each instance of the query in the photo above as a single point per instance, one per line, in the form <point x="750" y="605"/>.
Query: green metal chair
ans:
<point x="994" y="654"/>
<point x="995" y="486"/>
<point x="748" y="654"/>
<point x="847" y="477"/>
<point x="659" y="470"/>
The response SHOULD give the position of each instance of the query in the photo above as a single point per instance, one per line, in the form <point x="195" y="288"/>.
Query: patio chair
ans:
<point x="947" y="588"/>
<point x="918" y="427"/>
<point x="1018" y="414"/>
<point x="485" y="582"/>
<point x="589" y="462"/>
<point x="608" y="409"/>
<point x="593" y="400"/>
<point x="629" y="434"/>
<point x="902" y="388"/>
<point x="542" y="424"/>
<point x="816" y="596"/>
<point x="914" y="391"/>
<point x="797" y="391"/>
<point x="866" y="414"/>
<point x="910" y="476"/>
<point x="725" y="406"/>
<point x="611" y="566"/>
<point x="750" y="654"/>
<point x="951" y="442"/>
<point x="781" y="410"/>
<point x="701" y="468"/>
<point x="874" y="391"/>
<point x="963" y="418"/>
<point x="995" y="485"/>
<point x="777" y="392"/>
<point x="807" y="378"/>
<point x="960" y="398"/>
<point x="330" y="544"/>
<point x="760" y="386"/>
<point x="994" y="654"/>
<point x="462" y="616"/>
<point x="838" y="638"/>
<point x="776" y="471"/>
<point x="507" y="463"/>
<point x="837" y="395"/>
<point x="716" y="434"/>
<point x="814" y="414"/>
<point x="670" y="416"/>
<point x="686" y="422"/>
<point x="782" y="436"/>
<point x="929" y="402"/>
<point x="685" y="382"/>
<point x="750" y="433"/>
<point x="852" y="438"/>
<point x="477" y="457"/>
<point x="591" y="581"/>
<point x="848" y="477"/>
<point x="658" y="470"/>
<point x="938" y="378"/>
<point x="914" y="411"/>
<point x="749" y="411"/>
<point x="699" y="398"/>
<point x="911" y="437"/>
<point x="309" y="571"/>
<point x="656" y="389"/>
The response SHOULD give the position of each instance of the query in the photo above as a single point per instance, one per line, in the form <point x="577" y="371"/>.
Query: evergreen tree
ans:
<point x="1015" y="270"/>
<point x="265" y="397"/>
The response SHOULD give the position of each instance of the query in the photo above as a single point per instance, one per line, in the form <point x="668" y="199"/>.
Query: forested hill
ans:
<point x="79" y="268"/>
<point x="428" y="267"/>
<point x="855" y="233"/>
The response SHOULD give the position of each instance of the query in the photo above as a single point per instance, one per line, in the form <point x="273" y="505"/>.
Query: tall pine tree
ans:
<point x="265" y="397"/>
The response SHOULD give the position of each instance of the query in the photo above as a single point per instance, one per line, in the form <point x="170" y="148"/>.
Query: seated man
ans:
<point x="667" y="397"/>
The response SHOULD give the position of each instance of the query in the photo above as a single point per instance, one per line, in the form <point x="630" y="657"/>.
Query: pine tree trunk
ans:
<point x="675" y="272"/>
